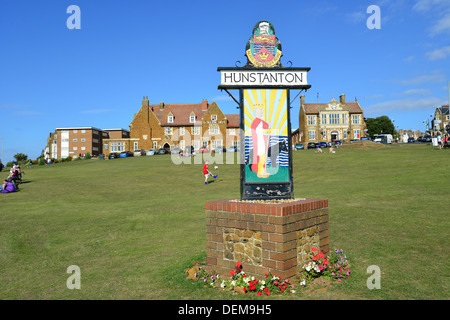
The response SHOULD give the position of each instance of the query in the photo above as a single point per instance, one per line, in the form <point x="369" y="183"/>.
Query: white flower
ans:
<point x="222" y="285"/>
<point x="303" y="283"/>
<point x="233" y="283"/>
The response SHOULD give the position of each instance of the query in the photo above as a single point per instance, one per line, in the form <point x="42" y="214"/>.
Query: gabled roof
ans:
<point x="234" y="120"/>
<point x="314" y="108"/>
<point x="180" y="112"/>
<point x="444" y="110"/>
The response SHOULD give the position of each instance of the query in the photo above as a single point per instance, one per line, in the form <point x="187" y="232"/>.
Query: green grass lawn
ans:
<point x="134" y="225"/>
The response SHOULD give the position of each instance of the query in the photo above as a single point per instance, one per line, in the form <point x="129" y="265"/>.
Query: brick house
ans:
<point x="330" y="121"/>
<point x="441" y="121"/>
<point x="178" y="125"/>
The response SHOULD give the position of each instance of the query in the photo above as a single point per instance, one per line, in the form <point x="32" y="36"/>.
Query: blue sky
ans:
<point x="52" y="77"/>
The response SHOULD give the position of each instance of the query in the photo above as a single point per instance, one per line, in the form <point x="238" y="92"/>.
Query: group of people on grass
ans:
<point x="11" y="184"/>
<point x="319" y="150"/>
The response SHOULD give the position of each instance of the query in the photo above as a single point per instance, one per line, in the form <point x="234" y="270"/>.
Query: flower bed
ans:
<point x="334" y="267"/>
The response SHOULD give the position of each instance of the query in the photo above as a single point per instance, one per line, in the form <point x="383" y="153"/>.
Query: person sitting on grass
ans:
<point x="319" y="150"/>
<point x="206" y="172"/>
<point x="14" y="175"/>
<point x="8" y="187"/>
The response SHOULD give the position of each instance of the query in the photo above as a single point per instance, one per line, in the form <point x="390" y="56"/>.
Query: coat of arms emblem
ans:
<point x="263" y="48"/>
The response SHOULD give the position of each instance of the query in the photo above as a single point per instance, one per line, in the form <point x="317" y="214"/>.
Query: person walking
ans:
<point x="207" y="173"/>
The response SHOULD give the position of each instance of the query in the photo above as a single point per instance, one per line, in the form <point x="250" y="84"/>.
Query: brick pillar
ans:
<point x="264" y="237"/>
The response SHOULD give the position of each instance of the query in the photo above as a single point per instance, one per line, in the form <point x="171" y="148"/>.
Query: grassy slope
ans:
<point x="133" y="225"/>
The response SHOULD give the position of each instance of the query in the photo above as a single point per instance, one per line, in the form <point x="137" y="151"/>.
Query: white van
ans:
<point x="384" y="138"/>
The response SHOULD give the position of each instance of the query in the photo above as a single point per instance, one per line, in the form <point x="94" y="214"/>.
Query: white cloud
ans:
<point x="433" y="77"/>
<point x="404" y="105"/>
<point x="438" y="53"/>
<point x="422" y="92"/>
<point x="442" y="25"/>
<point x="438" y="12"/>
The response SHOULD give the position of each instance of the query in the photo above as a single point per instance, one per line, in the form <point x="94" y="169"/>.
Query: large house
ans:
<point x="330" y="121"/>
<point x="178" y="125"/>
<point x="441" y="122"/>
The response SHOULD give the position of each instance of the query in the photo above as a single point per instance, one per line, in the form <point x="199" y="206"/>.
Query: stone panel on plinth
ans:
<point x="265" y="236"/>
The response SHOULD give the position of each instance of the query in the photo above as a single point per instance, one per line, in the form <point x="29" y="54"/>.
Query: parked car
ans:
<point x="337" y="142"/>
<point x="139" y="152"/>
<point x="427" y="138"/>
<point x="420" y="139"/>
<point x="384" y="138"/>
<point x="232" y="149"/>
<point x="150" y="152"/>
<point x="311" y="145"/>
<point x="114" y="155"/>
<point x="411" y="140"/>
<point x="203" y="149"/>
<point x="163" y="151"/>
<point x="299" y="146"/>
<point x="323" y="144"/>
<point x="126" y="154"/>
<point x="176" y="150"/>
<point x="366" y="138"/>
<point x="219" y="149"/>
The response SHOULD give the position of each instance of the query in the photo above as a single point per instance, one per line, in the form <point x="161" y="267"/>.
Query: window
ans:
<point x="324" y="135"/>
<point x="192" y="119"/>
<point x="169" y="131"/>
<point x="214" y="117"/>
<point x="356" y="134"/>
<point x="170" y="119"/>
<point x="311" y="120"/>
<point x="232" y="131"/>
<point x="83" y="140"/>
<point x="55" y="142"/>
<point x="182" y="144"/>
<point x="181" y="131"/>
<point x="355" y="119"/>
<point x="136" y="145"/>
<point x="196" y="144"/>
<point x="334" y="118"/>
<point x="345" y="134"/>
<point x="312" y="135"/>
<point x="94" y="140"/>
<point x="216" y="143"/>
<point x="324" y="119"/>
<point x="75" y="148"/>
<point x="155" y="145"/>
<point x="105" y="146"/>
<point x="214" y="129"/>
<point x="75" y="131"/>
<point x="83" y="131"/>
<point x="345" y="118"/>
<point x="83" y="148"/>
<point x="195" y="130"/>
<point x="94" y="132"/>
<point x="94" y="149"/>
<point x="117" y="146"/>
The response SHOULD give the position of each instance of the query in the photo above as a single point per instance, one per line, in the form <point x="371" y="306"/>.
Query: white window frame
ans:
<point x="136" y="145"/>
<point x="192" y="118"/>
<point x="214" y="117"/>
<point x="311" y="120"/>
<point x="169" y="119"/>
<point x="312" y="134"/>
<point x="169" y="131"/>
<point x="196" y="130"/>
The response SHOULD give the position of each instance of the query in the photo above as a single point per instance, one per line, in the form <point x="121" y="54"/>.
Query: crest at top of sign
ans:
<point x="263" y="49"/>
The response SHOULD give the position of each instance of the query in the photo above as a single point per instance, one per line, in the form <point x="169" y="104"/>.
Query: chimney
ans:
<point x="302" y="100"/>
<point x="342" y="98"/>
<point x="204" y="105"/>
<point x="161" y="106"/>
<point x="145" y="101"/>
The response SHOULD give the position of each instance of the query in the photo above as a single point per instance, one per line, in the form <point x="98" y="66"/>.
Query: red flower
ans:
<point x="232" y="272"/>
<point x="315" y="258"/>
<point x="320" y="254"/>
<point x="313" y="249"/>
<point x="251" y="286"/>
<point x="259" y="293"/>
<point x="255" y="281"/>
<point x="325" y="262"/>
<point x="243" y="276"/>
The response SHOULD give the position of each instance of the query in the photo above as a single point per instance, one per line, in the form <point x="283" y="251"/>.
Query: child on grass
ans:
<point x="206" y="172"/>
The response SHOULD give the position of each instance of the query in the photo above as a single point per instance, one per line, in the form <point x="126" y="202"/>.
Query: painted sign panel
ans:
<point x="263" y="48"/>
<point x="266" y="135"/>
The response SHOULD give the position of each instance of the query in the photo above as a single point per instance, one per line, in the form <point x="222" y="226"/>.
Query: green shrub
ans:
<point x="87" y="156"/>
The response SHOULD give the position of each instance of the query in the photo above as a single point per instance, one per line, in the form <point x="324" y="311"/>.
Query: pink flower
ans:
<point x="313" y="249"/>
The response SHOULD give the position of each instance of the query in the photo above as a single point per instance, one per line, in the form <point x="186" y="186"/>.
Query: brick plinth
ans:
<point x="264" y="237"/>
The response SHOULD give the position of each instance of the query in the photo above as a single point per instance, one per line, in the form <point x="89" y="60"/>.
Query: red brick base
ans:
<point x="264" y="237"/>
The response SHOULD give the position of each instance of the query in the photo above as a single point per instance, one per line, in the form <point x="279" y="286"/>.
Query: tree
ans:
<point x="20" y="157"/>
<point x="379" y="125"/>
